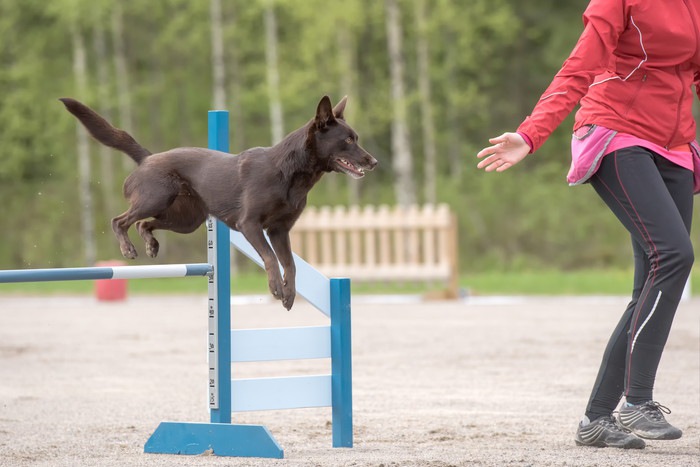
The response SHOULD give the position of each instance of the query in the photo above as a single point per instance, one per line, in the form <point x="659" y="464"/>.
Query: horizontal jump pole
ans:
<point x="116" y="272"/>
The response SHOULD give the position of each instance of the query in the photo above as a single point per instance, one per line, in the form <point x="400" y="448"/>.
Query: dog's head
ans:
<point x="335" y="142"/>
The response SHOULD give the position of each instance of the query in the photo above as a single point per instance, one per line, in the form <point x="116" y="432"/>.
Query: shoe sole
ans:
<point x="656" y="437"/>
<point x="600" y="444"/>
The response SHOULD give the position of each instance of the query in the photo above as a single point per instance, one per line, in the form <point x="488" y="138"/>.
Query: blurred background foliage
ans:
<point x="150" y="67"/>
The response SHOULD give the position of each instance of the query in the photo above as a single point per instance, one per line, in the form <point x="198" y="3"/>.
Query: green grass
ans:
<point x="586" y="282"/>
<point x="602" y="282"/>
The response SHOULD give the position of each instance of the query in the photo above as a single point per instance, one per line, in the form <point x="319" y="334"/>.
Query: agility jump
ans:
<point x="225" y="346"/>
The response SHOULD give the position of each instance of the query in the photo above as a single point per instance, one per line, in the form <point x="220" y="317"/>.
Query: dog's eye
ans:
<point x="349" y="140"/>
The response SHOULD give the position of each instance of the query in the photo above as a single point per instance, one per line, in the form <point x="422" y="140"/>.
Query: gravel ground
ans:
<point x="484" y="382"/>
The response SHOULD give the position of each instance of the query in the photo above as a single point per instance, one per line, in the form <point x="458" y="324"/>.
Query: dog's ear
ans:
<point x="339" y="109"/>
<point x="324" y="113"/>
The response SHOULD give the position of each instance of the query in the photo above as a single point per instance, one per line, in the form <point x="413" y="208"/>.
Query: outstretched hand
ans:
<point x="507" y="150"/>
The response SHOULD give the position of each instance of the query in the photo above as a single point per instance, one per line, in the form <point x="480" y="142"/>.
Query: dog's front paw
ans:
<point x="275" y="285"/>
<point x="288" y="294"/>
<point x="288" y="300"/>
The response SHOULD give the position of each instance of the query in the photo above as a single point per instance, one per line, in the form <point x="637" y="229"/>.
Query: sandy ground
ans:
<point x="486" y="382"/>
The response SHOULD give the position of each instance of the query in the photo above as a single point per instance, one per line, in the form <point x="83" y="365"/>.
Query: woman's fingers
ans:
<point x="494" y="163"/>
<point x="486" y="162"/>
<point x="499" y="142"/>
<point x="504" y="166"/>
<point x="487" y="151"/>
<point x="507" y="150"/>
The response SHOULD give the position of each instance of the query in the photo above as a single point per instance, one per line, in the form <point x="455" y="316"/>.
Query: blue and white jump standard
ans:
<point x="226" y="395"/>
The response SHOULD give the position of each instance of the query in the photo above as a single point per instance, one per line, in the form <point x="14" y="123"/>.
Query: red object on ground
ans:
<point x="110" y="289"/>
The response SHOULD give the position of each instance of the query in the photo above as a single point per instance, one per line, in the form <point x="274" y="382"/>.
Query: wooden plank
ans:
<point x="269" y="344"/>
<point x="290" y="392"/>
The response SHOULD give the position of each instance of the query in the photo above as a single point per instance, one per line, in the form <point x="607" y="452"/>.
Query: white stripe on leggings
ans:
<point x="653" y="309"/>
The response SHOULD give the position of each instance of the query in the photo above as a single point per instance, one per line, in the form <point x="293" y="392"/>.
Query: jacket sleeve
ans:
<point x="603" y="21"/>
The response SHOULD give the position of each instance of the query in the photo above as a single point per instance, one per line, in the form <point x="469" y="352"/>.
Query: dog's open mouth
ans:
<point x="347" y="167"/>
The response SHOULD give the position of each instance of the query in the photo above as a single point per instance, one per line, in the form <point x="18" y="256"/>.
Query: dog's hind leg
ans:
<point x="145" y="229"/>
<point x="150" y="192"/>
<point x="184" y="216"/>
<point x="120" y="226"/>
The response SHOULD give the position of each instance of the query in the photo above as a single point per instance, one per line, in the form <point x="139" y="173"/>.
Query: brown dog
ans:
<point x="260" y="189"/>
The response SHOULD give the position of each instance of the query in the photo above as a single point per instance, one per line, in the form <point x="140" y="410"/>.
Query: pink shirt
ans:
<point x="679" y="155"/>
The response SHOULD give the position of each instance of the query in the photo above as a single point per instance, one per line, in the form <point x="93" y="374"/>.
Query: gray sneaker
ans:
<point x="647" y="421"/>
<point x="604" y="432"/>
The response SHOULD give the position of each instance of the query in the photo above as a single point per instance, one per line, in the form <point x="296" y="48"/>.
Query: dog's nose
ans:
<point x="371" y="162"/>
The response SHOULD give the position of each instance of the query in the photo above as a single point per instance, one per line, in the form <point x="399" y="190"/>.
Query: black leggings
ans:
<point x="653" y="199"/>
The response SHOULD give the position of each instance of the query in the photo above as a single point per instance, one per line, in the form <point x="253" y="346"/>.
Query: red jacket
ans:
<point x="632" y="70"/>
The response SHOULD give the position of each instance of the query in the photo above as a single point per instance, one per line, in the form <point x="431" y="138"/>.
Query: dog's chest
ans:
<point x="298" y="189"/>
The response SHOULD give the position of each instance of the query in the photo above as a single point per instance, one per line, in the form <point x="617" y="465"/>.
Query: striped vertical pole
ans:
<point x="219" y="293"/>
<point x="341" y="363"/>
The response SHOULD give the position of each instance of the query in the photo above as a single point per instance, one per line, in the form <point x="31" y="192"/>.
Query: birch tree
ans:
<point x="402" y="159"/>
<point x="122" y="76"/>
<point x="83" y="149"/>
<point x="217" y="51"/>
<point x="273" y="75"/>
<point x="426" y="103"/>
<point x="235" y="80"/>
<point x="106" y="159"/>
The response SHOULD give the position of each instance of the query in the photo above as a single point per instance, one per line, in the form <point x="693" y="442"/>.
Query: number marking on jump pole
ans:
<point x="213" y="328"/>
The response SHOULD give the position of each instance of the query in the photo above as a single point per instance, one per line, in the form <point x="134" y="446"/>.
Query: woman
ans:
<point x="633" y="72"/>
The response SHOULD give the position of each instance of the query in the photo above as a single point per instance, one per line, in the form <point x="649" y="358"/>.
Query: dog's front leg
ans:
<point x="254" y="234"/>
<point x="279" y="238"/>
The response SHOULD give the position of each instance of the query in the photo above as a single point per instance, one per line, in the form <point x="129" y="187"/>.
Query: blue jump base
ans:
<point x="220" y="439"/>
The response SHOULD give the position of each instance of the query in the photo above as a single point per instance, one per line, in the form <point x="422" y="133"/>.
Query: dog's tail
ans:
<point x="104" y="132"/>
